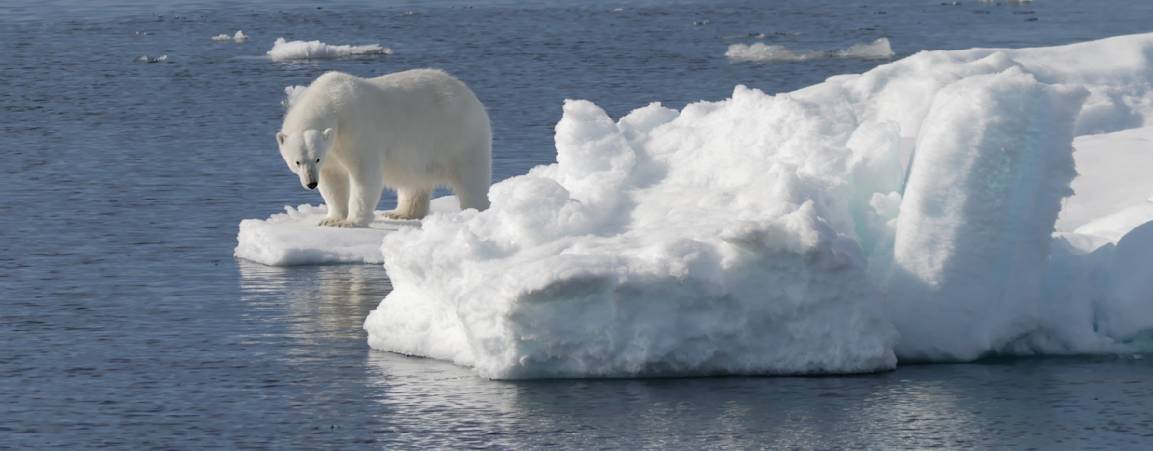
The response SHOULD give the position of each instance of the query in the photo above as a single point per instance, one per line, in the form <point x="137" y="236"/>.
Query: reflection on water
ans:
<point x="321" y="301"/>
<point x="359" y="396"/>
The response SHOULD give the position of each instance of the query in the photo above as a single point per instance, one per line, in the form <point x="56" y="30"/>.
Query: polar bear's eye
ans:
<point x="298" y="163"/>
<point x="318" y="160"/>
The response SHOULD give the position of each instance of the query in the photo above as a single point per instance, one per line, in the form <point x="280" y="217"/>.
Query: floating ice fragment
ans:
<point x="297" y="50"/>
<point x="152" y="60"/>
<point x="761" y="52"/>
<point x="238" y="37"/>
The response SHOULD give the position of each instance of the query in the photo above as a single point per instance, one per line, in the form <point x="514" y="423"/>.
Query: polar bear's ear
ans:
<point x="280" y="137"/>
<point x="327" y="134"/>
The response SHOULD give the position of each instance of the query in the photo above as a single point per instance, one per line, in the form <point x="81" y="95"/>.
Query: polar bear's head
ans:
<point x="304" y="152"/>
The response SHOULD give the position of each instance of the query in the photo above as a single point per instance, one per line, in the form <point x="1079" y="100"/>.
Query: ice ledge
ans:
<point x="292" y="238"/>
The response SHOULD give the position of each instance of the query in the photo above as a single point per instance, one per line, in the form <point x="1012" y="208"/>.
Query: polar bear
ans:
<point x="411" y="131"/>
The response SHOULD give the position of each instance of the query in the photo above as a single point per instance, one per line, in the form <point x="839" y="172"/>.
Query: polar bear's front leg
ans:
<point x="334" y="190"/>
<point x="364" y="194"/>
<point x="410" y="204"/>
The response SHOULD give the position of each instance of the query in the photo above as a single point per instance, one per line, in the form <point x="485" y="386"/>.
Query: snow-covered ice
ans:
<point x="297" y="50"/>
<point x="933" y="208"/>
<point x="293" y="238"/>
<point x="758" y="51"/>
<point x="993" y="160"/>
<point x="1114" y="186"/>
<point x="792" y="233"/>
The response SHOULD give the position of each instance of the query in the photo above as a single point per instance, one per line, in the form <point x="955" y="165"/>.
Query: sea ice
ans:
<point x="293" y="238"/>
<point x="878" y="49"/>
<point x="993" y="161"/>
<point x="297" y="50"/>
<point x="152" y="59"/>
<point x="1114" y="186"/>
<point x="237" y="38"/>
<point x="790" y="233"/>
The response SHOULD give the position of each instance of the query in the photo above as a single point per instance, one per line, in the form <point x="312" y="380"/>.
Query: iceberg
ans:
<point x="910" y="212"/>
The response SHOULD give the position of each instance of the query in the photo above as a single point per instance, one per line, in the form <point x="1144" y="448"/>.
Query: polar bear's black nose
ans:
<point x="312" y="185"/>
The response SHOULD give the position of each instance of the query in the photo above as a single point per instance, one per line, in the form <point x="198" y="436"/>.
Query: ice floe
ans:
<point x="238" y="37"/>
<point x="294" y="238"/>
<point x="761" y="52"/>
<point x="283" y="50"/>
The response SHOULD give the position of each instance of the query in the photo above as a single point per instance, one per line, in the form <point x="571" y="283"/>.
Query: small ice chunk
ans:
<point x="152" y="59"/>
<point x="297" y="50"/>
<point x="761" y="52"/>
<point x="238" y="37"/>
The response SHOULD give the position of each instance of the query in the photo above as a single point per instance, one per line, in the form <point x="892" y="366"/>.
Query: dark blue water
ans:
<point x="126" y="322"/>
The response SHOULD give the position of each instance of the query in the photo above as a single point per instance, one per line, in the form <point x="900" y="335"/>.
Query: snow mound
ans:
<point x="283" y="50"/>
<point x="614" y="262"/>
<point x="761" y="52"/>
<point x="293" y="238"/>
<point x="904" y="212"/>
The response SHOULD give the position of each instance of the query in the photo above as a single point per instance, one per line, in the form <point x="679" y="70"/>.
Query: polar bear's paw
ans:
<point x="395" y="216"/>
<point x="337" y="222"/>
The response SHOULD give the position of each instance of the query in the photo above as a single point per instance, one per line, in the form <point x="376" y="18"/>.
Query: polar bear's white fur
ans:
<point x="411" y="131"/>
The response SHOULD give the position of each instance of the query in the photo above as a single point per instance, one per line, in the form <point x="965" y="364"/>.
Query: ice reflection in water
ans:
<point x="351" y="395"/>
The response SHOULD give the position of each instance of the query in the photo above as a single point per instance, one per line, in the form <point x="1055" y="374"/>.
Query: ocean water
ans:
<point x="125" y="321"/>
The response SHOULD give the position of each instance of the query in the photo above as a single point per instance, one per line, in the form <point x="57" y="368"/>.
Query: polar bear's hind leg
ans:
<point x="471" y="186"/>
<point x="410" y="204"/>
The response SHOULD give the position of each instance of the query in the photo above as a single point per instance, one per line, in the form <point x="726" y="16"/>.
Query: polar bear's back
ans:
<point x="420" y="127"/>
<point x="337" y="96"/>
<point x="434" y="84"/>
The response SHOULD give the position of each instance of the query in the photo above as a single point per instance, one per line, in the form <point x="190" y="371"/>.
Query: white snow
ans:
<point x="1114" y="188"/>
<point x="293" y="238"/>
<point x="758" y="51"/>
<point x="297" y="50"/>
